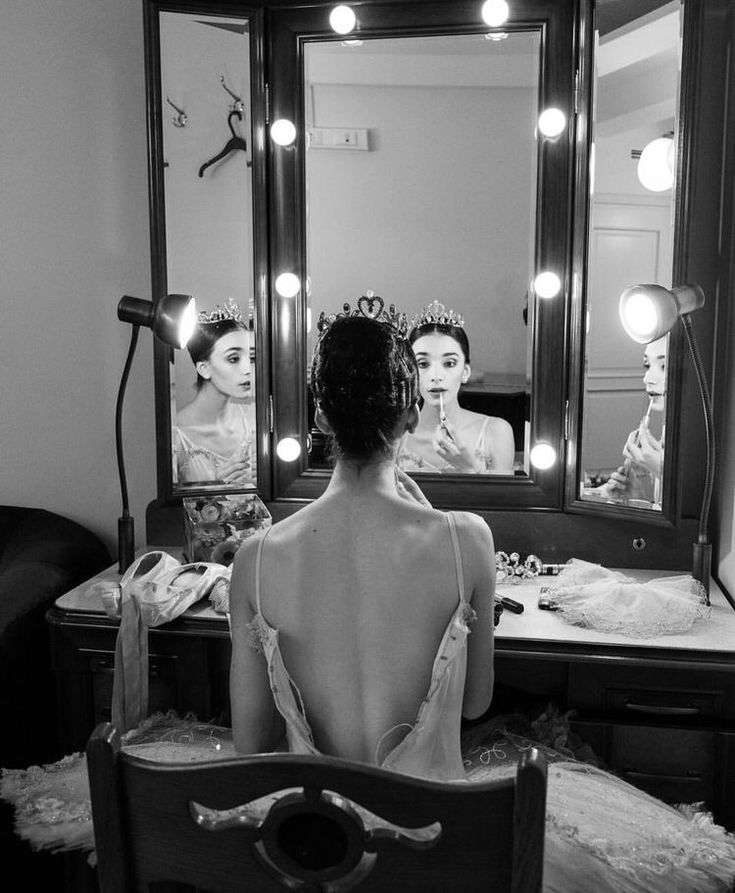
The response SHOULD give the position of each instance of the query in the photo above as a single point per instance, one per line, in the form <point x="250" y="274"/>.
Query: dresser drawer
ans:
<point x="674" y="764"/>
<point x="162" y="689"/>
<point x="645" y="694"/>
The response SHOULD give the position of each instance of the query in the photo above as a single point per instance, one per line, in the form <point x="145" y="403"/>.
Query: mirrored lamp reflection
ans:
<point x="647" y="313"/>
<point x="657" y="164"/>
<point x="172" y="319"/>
<point x="547" y="285"/>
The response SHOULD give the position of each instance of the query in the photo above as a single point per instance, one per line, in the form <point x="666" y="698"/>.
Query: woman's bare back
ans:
<point x="361" y="592"/>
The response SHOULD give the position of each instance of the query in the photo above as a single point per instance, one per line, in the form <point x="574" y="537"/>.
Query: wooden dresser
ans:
<point x="659" y="711"/>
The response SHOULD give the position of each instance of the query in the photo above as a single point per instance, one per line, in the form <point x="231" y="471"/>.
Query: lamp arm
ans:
<point x="125" y="522"/>
<point x="709" y="428"/>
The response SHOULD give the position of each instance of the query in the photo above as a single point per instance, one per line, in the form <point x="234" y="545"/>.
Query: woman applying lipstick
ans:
<point x="213" y="436"/>
<point x="639" y="477"/>
<point x="450" y="438"/>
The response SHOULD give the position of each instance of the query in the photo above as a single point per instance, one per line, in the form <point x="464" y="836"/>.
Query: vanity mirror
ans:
<point x="205" y="124"/>
<point x="629" y="392"/>
<point x="419" y="172"/>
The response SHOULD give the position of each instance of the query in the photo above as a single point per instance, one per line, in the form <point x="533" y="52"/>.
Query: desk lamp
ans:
<point x="173" y="319"/>
<point x="648" y="312"/>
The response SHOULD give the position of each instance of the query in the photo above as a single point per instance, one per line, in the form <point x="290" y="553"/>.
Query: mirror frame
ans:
<point x="670" y="514"/>
<point x="163" y="355"/>
<point x="289" y="29"/>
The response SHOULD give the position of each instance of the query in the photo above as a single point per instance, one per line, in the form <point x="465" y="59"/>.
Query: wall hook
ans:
<point x="238" y="105"/>
<point x="180" y="119"/>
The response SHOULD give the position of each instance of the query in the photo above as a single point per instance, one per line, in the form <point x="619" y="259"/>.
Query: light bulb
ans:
<point x="342" y="19"/>
<point x="656" y="165"/>
<point x="543" y="456"/>
<point x="639" y="315"/>
<point x="288" y="285"/>
<point x="494" y="12"/>
<point x="283" y="132"/>
<point x="547" y="285"/>
<point x="552" y="122"/>
<point x="288" y="449"/>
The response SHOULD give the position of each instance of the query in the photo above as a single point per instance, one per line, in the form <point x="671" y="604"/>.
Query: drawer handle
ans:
<point x="651" y="776"/>
<point x="666" y="709"/>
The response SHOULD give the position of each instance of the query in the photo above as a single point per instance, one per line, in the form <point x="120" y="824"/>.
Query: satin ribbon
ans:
<point x="154" y="590"/>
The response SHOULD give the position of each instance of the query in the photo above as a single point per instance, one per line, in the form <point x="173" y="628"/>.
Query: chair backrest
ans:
<point x="272" y="822"/>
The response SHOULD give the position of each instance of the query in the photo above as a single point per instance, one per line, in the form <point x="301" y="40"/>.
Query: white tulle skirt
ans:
<point x="602" y="834"/>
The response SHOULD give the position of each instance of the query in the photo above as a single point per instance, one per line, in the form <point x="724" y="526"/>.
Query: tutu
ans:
<point x="602" y="834"/>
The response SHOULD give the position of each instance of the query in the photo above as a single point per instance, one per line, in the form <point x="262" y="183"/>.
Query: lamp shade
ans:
<point x="648" y="312"/>
<point x="172" y="318"/>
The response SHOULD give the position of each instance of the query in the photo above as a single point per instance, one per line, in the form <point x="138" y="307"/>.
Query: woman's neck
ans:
<point x="211" y="404"/>
<point x="376" y="475"/>
<point x="429" y="417"/>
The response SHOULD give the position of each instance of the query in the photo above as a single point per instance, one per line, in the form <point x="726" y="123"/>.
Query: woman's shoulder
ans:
<point x="473" y="528"/>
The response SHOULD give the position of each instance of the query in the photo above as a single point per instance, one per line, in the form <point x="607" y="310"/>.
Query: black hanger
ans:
<point x="234" y="144"/>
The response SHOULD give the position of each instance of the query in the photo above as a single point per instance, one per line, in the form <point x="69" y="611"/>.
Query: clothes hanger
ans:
<point x="234" y="144"/>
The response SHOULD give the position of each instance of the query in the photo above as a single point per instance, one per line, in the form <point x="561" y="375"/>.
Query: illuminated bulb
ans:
<point x="342" y="19"/>
<point x="639" y="316"/>
<point x="656" y="165"/>
<point x="547" y="285"/>
<point x="494" y="12"/>
<point x="283" y="132"/>
<point x="187" y="323"/>
<point x="551" y="122"/>
<point x="543" y="456"/>
<point x="287" y="285"/>
<point x="288" y="449"/>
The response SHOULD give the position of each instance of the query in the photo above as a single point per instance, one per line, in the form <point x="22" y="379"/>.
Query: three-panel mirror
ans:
<point x="419" y="173"/>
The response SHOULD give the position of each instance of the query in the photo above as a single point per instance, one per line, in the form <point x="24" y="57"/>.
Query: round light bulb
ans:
<point x="552" y="122"/>
<point x="656" y="165"/>
<point x="640" y="317"/>
<point x="187" y="323"/>
<point x="288" y="449"/>
<point x="283" y="132"/>
<point x="494" y="12"/>
<point x="288" y="285"/>
<point x="342" y="19"/>
<point x="543" y="456"/>
<point x="547" y="285"/>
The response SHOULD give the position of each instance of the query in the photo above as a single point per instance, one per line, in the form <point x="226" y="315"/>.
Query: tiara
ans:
<point x="369" y="306"/>
<point x="230" y="310"/>
<point x="436" y="314"/>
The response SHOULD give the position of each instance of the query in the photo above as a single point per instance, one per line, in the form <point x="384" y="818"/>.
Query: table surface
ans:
<point x="716" y="634"/>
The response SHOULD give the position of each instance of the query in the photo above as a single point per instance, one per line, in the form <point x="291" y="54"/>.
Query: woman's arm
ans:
<point x="478" y="560"/>
<point x="256" y="724"/>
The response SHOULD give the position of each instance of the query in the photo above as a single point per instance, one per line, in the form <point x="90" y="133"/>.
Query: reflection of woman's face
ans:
<point x="442" y="368"/>
<point x="654" y="378"/>
<point x="228" y="366"/>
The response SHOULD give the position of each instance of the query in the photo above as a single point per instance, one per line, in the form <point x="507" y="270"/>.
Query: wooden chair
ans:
<point x="336" y="825"/>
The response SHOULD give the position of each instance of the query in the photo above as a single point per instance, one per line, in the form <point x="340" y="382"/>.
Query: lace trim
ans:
<point x="258" y="633"/>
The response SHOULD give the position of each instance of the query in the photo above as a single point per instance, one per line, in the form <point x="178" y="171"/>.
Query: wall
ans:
<point x="73" y="178"/>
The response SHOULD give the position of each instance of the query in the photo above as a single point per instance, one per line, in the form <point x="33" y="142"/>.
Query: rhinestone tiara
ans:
<point x="436" y="314"/>
<point x="220" y="313"/>
<point x="369" y="306"/>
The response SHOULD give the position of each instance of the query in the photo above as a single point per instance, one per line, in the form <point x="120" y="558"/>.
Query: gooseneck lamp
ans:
<point x="172" y="319"/>
<point x="648" y="312"/>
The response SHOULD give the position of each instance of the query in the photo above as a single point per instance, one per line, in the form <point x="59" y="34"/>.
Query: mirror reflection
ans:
<point x="206" y="138"/>
<point x="631" y="240"/>
<point x="421" y="186"/>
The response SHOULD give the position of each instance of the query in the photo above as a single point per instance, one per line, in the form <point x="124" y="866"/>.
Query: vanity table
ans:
<point x="660" y="712"/>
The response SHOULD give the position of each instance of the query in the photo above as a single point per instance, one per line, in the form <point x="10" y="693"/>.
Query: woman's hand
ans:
<point x="644" y="451"/>
<point x="408" y="489"/>
<point x="449" y="446"/>
<point x="235" y="470"/>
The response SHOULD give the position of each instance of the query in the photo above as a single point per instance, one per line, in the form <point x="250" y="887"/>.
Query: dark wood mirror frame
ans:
<point x="552" y="519"/>
<point x="289" y="29"/>
<point x="168" y="492"/>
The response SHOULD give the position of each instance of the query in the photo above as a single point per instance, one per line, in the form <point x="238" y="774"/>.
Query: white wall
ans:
<point x="74" y="238"/>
